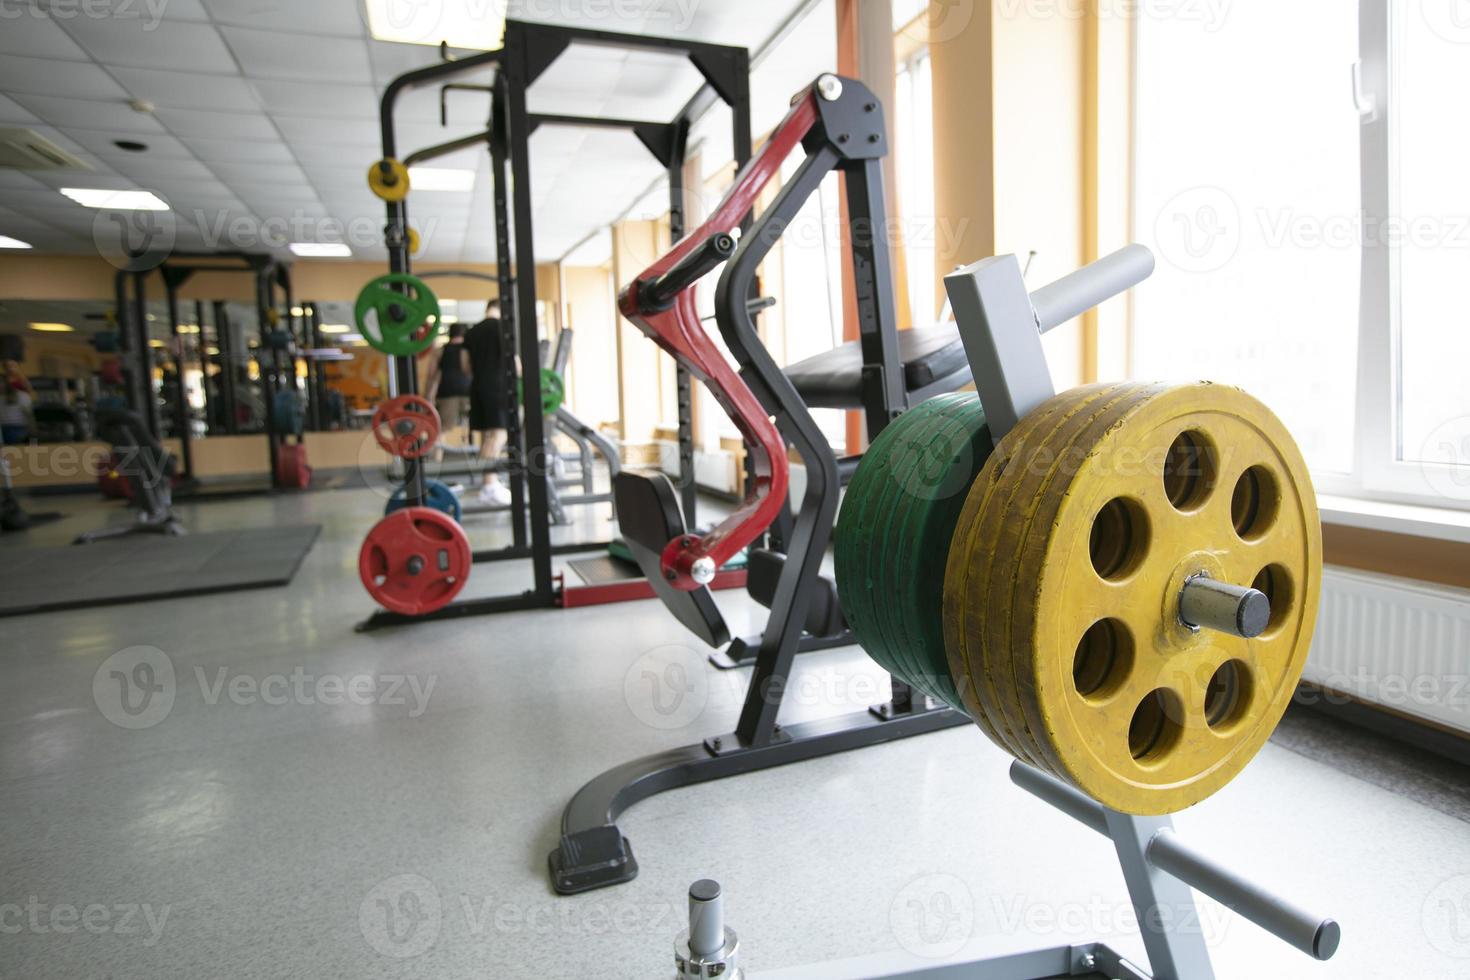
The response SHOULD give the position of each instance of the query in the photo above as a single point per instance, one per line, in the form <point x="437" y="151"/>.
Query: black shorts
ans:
<point x="487" y="409"/>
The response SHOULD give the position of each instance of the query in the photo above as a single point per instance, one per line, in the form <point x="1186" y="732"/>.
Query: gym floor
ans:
<point x="397" y="825"/>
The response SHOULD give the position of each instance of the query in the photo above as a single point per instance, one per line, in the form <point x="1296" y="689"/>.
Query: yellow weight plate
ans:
<point x="413" y="241"/>
<point x="982" y="685"/>
<point x="392" y="185"/>
<point x="1041" y="458"/>
<point x="1070" y="611"/>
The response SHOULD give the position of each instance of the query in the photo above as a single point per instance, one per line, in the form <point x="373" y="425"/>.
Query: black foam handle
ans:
<point x="658" y="294"/>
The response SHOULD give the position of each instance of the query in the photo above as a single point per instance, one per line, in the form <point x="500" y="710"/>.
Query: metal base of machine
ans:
<point x="742" y="650"/>
<point x="585" y="858"/>
<point x="1089" y="960"/>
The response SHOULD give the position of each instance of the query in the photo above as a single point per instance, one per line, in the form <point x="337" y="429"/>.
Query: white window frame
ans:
<point x="1379" y="472"/>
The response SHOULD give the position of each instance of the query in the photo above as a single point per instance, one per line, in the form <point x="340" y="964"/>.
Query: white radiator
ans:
<point x="1401" y="644"/>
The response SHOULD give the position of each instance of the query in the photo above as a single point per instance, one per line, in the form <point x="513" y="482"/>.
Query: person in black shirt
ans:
<point x="489" y="399"/>
<point x="450" y="380"/>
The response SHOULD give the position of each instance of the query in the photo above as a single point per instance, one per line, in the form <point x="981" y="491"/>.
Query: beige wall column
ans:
<point x="635" y="246"/>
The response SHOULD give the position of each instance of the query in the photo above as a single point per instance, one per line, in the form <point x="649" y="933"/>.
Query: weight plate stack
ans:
<point x="894" y="534"/>
<point x="1064" y="581"/>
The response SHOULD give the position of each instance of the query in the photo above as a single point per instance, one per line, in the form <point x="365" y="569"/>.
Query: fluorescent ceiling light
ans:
<point x="52" y="327"/>
<point x="462" y="23"/>
<point x="448" y="319"/>
<point x="154" y="342"/>
<point x="7" y="242"/>
<point x="320" y="250"/>
<point x="297" y="311"/>
<point x="356" y="339"/>
<point x="115" y="200"/>
<point x="334" y="328"/>
<point x="188" y="328"/>
<point x="440" y="179"/>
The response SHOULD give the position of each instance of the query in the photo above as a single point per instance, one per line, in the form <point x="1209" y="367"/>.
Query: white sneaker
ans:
<point x="495" y="494"/>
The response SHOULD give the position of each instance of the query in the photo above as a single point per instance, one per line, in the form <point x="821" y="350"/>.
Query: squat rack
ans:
<point x="130" y="291"/>
<point x="528" y="51"/>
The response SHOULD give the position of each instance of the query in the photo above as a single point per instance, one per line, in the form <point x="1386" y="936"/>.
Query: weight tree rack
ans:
<point x="527" y="52"/>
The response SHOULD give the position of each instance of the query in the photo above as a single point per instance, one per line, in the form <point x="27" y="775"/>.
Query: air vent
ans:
<point x="22" y="149"/>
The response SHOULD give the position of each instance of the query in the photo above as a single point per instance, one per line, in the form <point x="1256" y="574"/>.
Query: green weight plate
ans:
<point x="405" y="322"/>
<point x="553" y="391"/>
<point x="894" y="531"/>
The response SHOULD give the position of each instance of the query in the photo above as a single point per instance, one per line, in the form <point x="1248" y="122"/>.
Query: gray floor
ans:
<point x="252" y="820"/>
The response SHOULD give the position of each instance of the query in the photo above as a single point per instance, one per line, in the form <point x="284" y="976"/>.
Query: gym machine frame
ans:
<point x="840" y="125"/>
<point x="529" y="50"/>
<point x="132" y="305"/>
<point x="1001" y="325"/>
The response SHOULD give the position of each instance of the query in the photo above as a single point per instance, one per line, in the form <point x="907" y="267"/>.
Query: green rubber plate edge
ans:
<point x="892" y="542"/>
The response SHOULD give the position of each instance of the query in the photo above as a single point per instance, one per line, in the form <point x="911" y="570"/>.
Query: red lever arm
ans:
<point x="678" y="331"/>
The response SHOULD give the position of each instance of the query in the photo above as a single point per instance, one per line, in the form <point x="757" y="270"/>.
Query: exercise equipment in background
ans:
<point x="527" y="52"/>
<point x="148" y="469"/>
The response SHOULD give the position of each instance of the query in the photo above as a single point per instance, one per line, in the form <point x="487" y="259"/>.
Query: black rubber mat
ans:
<point x="142" y="567"/>
<point x="604" y="570"/>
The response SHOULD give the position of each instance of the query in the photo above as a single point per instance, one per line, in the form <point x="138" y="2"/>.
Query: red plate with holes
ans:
<point x="415" y="561"/>
<point x="292" y="470"/>
<point x="406" y="426"/>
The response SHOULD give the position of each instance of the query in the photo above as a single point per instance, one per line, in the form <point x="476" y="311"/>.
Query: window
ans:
<point x="1414" y="410"/>
<point x="1247" y="158"/>
<point x="1314" y="242"/>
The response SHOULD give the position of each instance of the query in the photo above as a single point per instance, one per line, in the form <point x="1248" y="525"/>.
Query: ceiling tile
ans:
<point x="238" y="151"/>
<point x="177" y="9"/>
<point x="285" y="173"/>
<point x="145" y="169"/>
<point x="16" y="180"/>
<point x="335" y="152"/>
<point x="187" y="90"/>
<point x="88" y="114"/>
<point x="338" y="17"/>
<point x="389" y="60"/>
<point x="330" y="132"/>
<point x="57" y="78"/>
<point x="331" y="101"/>
<point x="102" y="142"/>
<point x="38" y="37"/>
<point x="272" y="54"/>
<point x="218" y="125"/>
<point x="141" y="43"/>
<point x="12" y="111"/>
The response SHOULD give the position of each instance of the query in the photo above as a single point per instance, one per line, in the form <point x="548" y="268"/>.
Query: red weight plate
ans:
<point x="292" y="470"/>
<point x="415" y="561"/>
<point x="406" y="426"/>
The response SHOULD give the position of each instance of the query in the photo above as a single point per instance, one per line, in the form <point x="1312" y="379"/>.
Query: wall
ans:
<point x="588" y="308"/>
<point x="1031" y="132"/>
